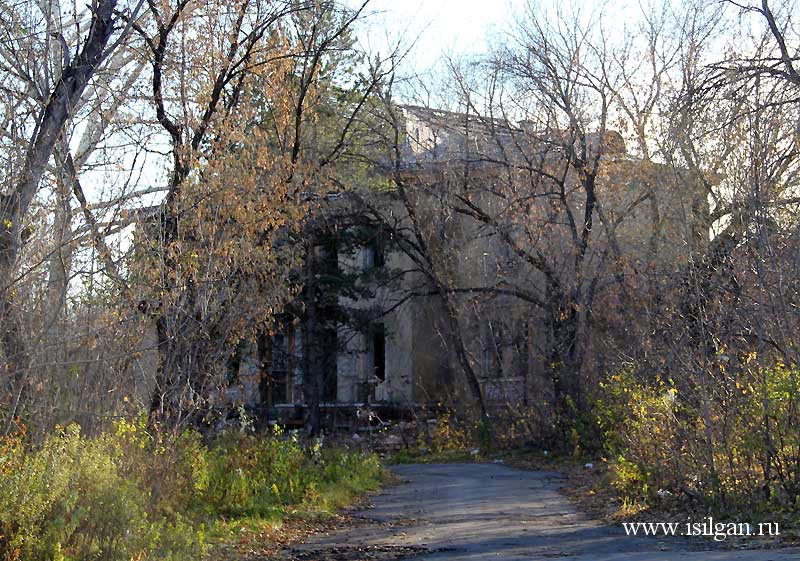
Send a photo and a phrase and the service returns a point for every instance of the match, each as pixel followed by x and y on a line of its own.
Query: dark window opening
pixel 276 383
pixel 328 264
pixel 233 365
pixel 330 352
pixel 379 352
pixel 277 389
pixel 374 255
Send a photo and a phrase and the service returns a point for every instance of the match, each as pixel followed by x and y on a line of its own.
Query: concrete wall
pixel 355 363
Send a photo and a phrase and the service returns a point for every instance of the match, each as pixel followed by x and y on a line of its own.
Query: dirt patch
pixel 288 542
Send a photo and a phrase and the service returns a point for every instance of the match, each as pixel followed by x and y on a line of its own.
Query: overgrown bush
pixel 129 494
pixel 345 475
pixel 77 498
pixel 638 424
pixel 252 476
pixel 730 444
pixel 446 434
pixel 255 476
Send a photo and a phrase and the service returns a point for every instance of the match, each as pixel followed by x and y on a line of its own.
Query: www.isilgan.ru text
pixel 706 527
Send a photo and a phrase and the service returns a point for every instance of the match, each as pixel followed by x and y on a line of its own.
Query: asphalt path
pixel 481 512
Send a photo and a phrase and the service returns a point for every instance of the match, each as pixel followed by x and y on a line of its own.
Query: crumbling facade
pixel 400 355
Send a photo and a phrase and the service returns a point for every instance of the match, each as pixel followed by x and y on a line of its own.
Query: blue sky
pixel 436 27
pixel 468 27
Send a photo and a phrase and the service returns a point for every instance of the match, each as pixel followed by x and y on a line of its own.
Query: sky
pixel 436 27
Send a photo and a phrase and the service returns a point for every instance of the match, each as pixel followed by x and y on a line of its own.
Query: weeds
pixel 738 455
pixel 127 494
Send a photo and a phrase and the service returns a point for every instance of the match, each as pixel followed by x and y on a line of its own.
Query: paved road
pixel 480 512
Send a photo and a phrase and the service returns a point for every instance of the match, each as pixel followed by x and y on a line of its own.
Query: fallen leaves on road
pixel 349 553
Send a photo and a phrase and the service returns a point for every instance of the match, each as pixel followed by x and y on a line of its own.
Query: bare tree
pixel 48 68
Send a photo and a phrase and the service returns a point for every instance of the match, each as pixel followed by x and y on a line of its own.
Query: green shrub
pixel 344 476
pixel 447 435
pixel 129 494
pixel 252 476
pixel 735 449
pixel 256 476
pixel 76 498
pixel 71 500
pixel 638 423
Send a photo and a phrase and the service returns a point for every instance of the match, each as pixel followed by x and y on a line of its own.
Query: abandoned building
pixel 400 357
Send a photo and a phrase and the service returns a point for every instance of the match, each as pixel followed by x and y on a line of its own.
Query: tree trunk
pixel 566 361
pixel 473 384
